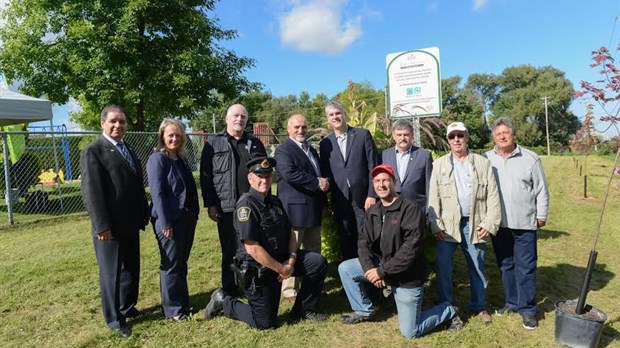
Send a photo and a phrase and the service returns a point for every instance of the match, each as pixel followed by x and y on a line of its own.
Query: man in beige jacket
pixel 464 209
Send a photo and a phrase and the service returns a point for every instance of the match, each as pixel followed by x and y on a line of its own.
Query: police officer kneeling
pixel 267 253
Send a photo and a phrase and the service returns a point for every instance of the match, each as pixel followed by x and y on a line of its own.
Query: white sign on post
pixel 414 83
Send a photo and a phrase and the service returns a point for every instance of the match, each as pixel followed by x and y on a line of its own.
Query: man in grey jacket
pixel 525 203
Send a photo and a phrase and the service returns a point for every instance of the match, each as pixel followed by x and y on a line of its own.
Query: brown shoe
pixel 291 299
pixel 486 317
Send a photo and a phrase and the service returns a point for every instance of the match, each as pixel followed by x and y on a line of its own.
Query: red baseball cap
pixel 382 168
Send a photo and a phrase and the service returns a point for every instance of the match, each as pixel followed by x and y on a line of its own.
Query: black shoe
pixel 133 312
pixel 504 311
pixel 455 324
pixel 123 331
pixel 215 306
pixel 530 322
pixel 314 316
pixel 308 315
pixel 354 318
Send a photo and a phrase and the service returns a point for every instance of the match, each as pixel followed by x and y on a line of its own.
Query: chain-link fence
pixel 41 170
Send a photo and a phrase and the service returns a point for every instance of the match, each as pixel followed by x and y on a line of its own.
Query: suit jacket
pixel 112 192
pixel 298 185
pixel 170 194
pixel 361 157
pixel 414 185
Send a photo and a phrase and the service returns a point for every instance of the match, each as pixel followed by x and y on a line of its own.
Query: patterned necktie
pixel 308 153
pixel 123 150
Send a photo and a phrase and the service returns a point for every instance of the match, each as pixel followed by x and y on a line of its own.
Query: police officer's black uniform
pixel 262 219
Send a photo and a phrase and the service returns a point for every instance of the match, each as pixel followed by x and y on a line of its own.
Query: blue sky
pixel 318 45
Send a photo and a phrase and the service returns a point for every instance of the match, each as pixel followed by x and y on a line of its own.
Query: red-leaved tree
pixel 605 91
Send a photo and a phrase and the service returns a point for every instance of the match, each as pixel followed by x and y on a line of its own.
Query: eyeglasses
pixel 458 135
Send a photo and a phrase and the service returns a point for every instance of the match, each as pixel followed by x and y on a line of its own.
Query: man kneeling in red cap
pixel 391 257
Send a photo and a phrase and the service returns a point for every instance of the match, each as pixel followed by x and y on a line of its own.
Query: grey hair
pixel 111 108
pixel 504 121
pixel 402 124
pixel 161 144
pixel 333 104
pixel 230 108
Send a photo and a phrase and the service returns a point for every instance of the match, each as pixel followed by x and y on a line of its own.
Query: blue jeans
pixel 356 286
pixel 412 320
pixel 516 253
pixel 474 255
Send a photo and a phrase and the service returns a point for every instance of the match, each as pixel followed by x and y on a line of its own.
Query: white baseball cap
pixel 456 126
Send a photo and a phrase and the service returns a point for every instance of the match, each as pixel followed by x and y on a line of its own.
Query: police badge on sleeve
pixel 243 214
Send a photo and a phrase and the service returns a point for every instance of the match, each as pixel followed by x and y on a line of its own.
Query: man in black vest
pixel 223 179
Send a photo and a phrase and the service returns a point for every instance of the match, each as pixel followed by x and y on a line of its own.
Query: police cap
pixel 261 165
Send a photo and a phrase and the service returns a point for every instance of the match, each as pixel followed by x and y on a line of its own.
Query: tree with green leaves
pixel 460 104
pixel 155 58
pixel 521 99
pixel 485 88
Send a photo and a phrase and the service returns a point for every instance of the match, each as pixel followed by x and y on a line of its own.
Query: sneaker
pixel 455 324
pixel 485 316
pixel 503 311
pixel 530 322
pixel 354 318
pixel 180 318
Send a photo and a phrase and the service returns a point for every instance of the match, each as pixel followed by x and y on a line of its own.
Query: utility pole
pixel 547 125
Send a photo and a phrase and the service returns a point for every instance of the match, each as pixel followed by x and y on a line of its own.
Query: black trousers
pixel 228 244
pixel 263 296
pixel 174 253
pixel 350 219
pixel 119 277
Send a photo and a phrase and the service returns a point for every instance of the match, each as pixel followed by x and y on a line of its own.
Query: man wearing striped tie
pixel 113 193
pixel 301 188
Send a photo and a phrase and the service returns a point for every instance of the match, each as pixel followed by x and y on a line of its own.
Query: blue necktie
pixel 123 150
pixel 308 153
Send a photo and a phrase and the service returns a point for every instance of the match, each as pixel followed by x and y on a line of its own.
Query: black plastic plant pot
pixel 578 330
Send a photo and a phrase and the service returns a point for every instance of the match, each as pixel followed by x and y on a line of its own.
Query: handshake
pixel 323 184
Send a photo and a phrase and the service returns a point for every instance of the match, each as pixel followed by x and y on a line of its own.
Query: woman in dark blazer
pixel 174 212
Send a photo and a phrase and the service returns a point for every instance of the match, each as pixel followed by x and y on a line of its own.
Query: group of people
pixel 271 244
pixel 114 196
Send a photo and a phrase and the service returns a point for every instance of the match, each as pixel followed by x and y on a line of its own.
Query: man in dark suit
pixel 113 193
pixel 301 190
pixel 347 156
pixel 412 165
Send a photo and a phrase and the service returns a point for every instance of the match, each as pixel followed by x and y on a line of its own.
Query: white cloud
pixel 479 4
pixel 317 26
pixel 73 106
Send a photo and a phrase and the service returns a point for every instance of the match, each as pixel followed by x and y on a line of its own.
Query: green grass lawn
pixel 49 295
